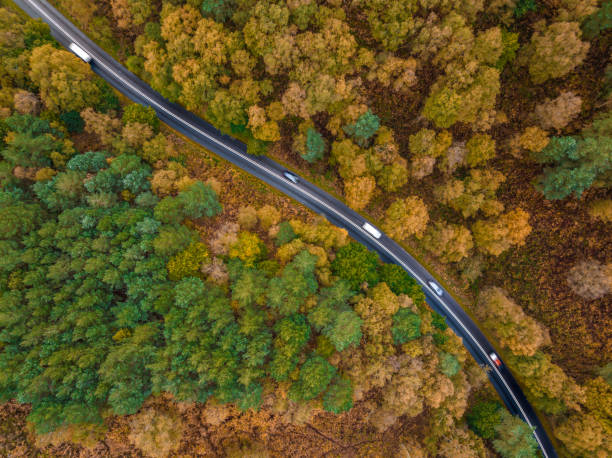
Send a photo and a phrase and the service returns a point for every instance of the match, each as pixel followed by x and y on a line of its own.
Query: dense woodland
pixel 133 286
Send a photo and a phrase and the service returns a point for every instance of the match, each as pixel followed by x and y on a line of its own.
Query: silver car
pixel 436 288
pixel 291 176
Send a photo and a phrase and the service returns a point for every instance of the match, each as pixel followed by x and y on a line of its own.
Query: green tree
pixel 449 365
pixel 574 164
pixel 292 335
pixel 288 292
pixel 364 128
pixel 514 438
pixel 598 22
pixel 73 121
pixel 406 326
pixel 285 234
pixel 356 264
pixel 401 282
pixel 315 376
pixel 219 10
pixel 484 417
pixel 34 142
pixel 135 112
pixel 315 146
pixel 339 396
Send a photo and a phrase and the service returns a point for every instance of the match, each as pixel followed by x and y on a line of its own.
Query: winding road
pixel 304 192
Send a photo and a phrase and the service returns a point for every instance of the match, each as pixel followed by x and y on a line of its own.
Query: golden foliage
pixel 406 217
pixel 557 113
pixel 64 81
pixel 450 242
pixel 248 248
pixel 514 330
pixel 496 235
pixel 187 263
pixel 601 210
pixel 104 125
pixel 156 432
pixel 268 216
pixel 359 191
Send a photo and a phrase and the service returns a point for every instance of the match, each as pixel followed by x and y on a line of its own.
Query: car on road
pixel 371 230
pixel 291 176
pixel 80 52
pixel 436 288
pixel 495 359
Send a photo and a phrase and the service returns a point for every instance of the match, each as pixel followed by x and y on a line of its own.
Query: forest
pixel 150 304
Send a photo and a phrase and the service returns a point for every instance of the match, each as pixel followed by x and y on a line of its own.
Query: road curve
pixel 304 192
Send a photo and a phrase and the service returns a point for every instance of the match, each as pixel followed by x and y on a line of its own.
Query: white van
pixel 80 52
pixel 371 230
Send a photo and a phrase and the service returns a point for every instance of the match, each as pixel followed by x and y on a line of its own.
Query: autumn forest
pixel 157 301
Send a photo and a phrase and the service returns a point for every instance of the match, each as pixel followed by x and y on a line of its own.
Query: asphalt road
pixel 304 192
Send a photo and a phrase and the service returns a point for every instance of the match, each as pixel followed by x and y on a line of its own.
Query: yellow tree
pixel 451 242
pixel 358 191
pixel 496 235
pixel 65 82
pixel 406 217
pixel 514 330
pixel 554 50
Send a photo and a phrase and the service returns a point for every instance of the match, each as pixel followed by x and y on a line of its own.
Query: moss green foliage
pixel 524 6
pixel 438 321
pixel 514 437
pixel 356 264
pixel 511 46
pixel 140 114
pixel 335 318
pixel 315 146
pixel 315 375
pixel 401 282
pixel 598 22
pixel 484 417
pixel 73 121
pixel 573 164
pixel 219 10
pixel 196 201
pixel 339 396
pixel 92 161
pixel 292 334
pixel 449 364
pixel 188 262
pixel 34 142
pixel 406 326
pixel 364 128
pixel 296 283
pixel 285 233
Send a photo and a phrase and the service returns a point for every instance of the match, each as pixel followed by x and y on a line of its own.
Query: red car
pixel 495 359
